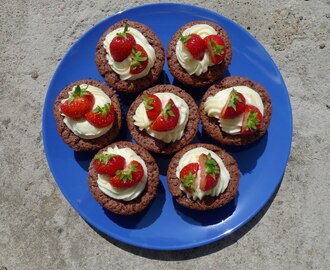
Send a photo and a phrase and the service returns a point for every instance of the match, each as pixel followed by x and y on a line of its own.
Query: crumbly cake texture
pixel 112 78
pixel 213 73
pixel 211 124
pixel 153 144
pixel 72 140
pixel 207 202
pixel 143 200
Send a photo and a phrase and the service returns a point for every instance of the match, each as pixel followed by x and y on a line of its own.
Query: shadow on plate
pixel 84 158
pixel 205 218
pixel 144 218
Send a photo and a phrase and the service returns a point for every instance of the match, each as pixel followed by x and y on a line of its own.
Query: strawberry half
pixel 209 172
pixel 252 120
pixel 101 117
pixel 121 46
pixel 188 175
pixel 235 105
pixel 139 60
pixel 129 176
pixel 195 45
pixel 108 164
pixel 168 119
pixel 78 104
pixel 216 48
pixel 153 106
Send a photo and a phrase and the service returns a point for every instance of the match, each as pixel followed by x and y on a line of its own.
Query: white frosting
pixel 192 156
pixel 142 121
pixel 127 194
pixel 122 68
pixel 81 127
pixel 214 105
pixel 186 60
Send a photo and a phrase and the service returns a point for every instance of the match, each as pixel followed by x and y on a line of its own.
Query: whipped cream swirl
pixel 122 68
pixel 142 121
pixel 127 194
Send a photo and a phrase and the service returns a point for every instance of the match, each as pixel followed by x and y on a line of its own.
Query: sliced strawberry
pixel 101 117
pixel 195 45
pixel 153 106
pixel 108 164
pixel 209 172
pixel 252 120
pixel 129 176
pixel 188 175
pixel 78 104
pixel 234 106
pixel 168 119
pixel 216 48
pixel 121 46
pixel 139 60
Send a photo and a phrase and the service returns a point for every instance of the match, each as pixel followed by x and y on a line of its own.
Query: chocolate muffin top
pixel 112 78
pixel 75 142
pixel 213 73
pixel 211 124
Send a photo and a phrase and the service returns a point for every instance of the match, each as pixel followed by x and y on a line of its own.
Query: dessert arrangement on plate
pixel 123 176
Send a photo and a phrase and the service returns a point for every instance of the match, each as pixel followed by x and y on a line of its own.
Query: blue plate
pixel 165 225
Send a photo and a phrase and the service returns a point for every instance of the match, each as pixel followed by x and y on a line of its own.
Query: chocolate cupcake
pixel 203 177
pixel 163 119
pixel 236 111
pixel 123 177
pixel 88 115
pixel 129 56
pixel 199 53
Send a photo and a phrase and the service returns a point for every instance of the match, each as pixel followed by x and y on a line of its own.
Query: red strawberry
pixel 195 45
pixel 216 47
pixel 168 119
pixel 153 106
pixel 188 175
pixel 234 106
pixel 210 172
pixel 121 46
pixel 252 120
pixel 139 60
pixel 108 164
pixel 79 103
pixel 101 117
pixel 128 177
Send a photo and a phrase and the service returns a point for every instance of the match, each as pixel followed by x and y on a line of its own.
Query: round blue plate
pixel 165 225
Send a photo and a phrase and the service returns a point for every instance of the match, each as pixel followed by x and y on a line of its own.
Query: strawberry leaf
pixel 137 58
pixel 216 48
pixel 188 181
pixel 78 92
pixel 103 110
pixel 127 174
pixel 147 101
pixel 123 34
pixel 252 121
pixel 211 167
pixel 167 111
pixel 233 99
pixel 184 39
pixel 104 158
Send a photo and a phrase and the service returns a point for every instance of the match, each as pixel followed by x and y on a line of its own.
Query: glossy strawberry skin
pixel 114 164
pixel 79 106
pixel 98 120
pixel 121 47
pixel 216 58
pixel 207 181
pixel 248 110
pixel 163 124
pixel 229 112
pixel 195 45
pixel 136 177
pixel 191 168
pixel 143 64
pixel 154 102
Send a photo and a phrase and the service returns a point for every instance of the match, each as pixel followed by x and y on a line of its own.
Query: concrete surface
pixel 40 230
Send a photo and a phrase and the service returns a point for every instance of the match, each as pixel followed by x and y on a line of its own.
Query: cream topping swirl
pixel 81 127
pixel 214 105
pixel 127 194
pixel 122 68
pixel 142 121
pixel 186 60
pixel 192 157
